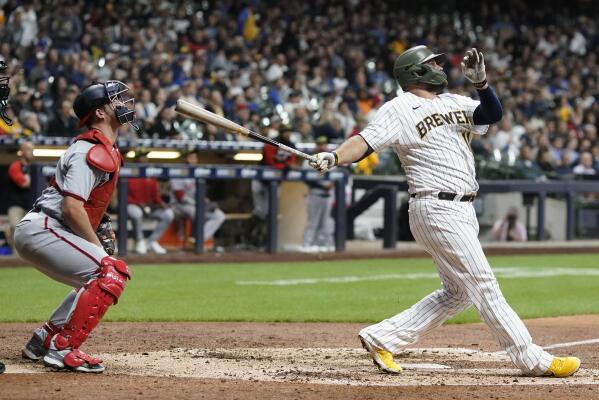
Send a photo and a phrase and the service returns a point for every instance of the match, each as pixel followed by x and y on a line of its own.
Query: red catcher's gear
pixel 52 330
pixel 77 358
pixel 105 157
pixel 92 303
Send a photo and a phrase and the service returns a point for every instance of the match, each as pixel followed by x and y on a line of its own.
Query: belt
pixel 451 196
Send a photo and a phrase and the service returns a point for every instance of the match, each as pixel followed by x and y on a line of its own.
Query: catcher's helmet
pixel 97 94
pixel 410 67
pixel 90 98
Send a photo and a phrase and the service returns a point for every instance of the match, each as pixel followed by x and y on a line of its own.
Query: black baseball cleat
pixel 2 368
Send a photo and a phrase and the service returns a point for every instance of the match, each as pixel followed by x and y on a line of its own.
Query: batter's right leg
pixel 410 325
pixel 449 231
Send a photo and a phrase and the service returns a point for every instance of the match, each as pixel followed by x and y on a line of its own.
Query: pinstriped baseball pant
pixel 448 231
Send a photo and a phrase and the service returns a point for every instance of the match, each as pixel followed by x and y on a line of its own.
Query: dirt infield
pixel 299 361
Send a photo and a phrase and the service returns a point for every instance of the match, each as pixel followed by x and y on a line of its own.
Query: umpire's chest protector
pixel 105 157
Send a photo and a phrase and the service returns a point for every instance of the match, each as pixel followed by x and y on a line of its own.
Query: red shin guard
pixel 93 302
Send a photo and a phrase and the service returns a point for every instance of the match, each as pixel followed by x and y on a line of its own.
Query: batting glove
pixel 473 68
pixel 324 162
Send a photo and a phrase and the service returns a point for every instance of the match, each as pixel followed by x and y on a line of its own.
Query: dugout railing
pixel 387 187
pixel 40 173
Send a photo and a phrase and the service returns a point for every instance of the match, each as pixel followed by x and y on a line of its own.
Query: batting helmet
pixel 97 94
pixel 410 67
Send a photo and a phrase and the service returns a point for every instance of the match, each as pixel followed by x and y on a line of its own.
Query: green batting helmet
pixel 410 67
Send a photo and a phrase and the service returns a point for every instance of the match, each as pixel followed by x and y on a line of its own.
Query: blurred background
pixel 310 74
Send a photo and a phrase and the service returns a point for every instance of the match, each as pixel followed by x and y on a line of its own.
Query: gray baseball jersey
pixel 74 176
pixel 432 140
pixel 42 239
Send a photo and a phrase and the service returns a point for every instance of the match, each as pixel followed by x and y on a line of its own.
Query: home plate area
pixel 341 366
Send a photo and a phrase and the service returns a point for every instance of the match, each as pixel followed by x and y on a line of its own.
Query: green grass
pixel 210 292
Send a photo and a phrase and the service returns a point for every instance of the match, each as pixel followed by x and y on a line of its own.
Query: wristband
pixel 336 159
pixel 480 85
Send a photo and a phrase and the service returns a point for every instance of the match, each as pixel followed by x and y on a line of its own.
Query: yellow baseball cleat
pixel 562 367
pixel 381 358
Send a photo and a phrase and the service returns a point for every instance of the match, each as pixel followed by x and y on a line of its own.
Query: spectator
pixel 318 234
pixel 64 123
pixel 37 107
pixel 332 130
pixel 367 165
pixel 144 200
pixel 546 163
pixel 20 199
pixel 15 129
pixel 31 125
pixel 525 164
pixel 509 228
pixel 164 127
pixel 145 109
pixel 565 168
pixel 184 205
pixel 20 100
pixel 585 166
pixel 196 51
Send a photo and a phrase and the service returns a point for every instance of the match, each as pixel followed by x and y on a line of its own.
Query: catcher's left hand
pixel 106 235
pixel 473 68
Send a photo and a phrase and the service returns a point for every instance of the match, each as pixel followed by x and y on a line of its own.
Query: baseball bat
pixel 195 112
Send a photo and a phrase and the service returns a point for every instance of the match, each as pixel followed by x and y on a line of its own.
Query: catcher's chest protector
pixel 107 158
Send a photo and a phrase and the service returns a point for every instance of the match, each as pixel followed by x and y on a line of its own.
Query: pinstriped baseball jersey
pixel 431 138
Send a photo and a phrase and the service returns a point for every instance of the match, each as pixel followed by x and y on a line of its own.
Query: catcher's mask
pixel 4 92
pixel 410 68
pixel 111 92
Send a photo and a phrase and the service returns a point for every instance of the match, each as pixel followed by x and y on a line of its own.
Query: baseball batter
pixel 430 132
pixel 59 234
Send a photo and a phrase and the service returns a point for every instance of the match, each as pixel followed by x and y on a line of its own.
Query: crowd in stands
pixel 321 67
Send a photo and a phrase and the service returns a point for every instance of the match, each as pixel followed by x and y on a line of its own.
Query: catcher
pixel 68 237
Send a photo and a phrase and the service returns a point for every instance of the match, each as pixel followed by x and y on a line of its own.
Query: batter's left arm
pixel 489 111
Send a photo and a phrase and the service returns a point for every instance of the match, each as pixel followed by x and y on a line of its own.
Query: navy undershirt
pixel 489 110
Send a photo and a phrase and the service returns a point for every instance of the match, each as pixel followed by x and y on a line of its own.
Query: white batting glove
pixel 473 68
pixel 324 162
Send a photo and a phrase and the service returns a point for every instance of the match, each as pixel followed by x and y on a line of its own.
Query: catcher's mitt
pixel 106 234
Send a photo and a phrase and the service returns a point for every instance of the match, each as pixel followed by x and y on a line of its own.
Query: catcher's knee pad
pixel 113 276
pixel 93 301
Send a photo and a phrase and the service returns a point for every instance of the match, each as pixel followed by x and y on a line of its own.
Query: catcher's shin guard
pixel 93 302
